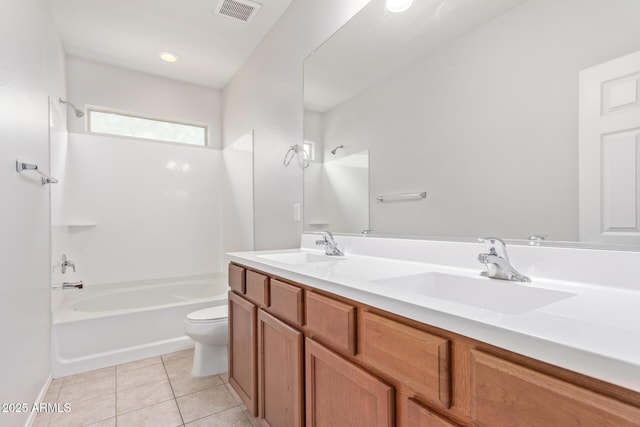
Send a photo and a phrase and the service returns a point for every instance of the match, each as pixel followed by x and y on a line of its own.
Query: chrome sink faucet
pixel 497 261
pixel 330 245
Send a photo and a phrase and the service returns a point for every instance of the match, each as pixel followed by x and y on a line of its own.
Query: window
pixel 111 123
pixel 308 148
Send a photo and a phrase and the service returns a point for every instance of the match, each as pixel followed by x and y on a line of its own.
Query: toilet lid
pixel 211 313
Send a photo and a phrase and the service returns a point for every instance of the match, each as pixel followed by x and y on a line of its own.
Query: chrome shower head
pixel 336 149
pixel 79 113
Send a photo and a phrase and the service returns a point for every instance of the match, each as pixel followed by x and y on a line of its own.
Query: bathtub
pixel 105 325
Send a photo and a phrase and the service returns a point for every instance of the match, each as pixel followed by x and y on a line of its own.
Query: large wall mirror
pixel 515 117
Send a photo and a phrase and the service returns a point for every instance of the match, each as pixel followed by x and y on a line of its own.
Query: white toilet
pixel 209 328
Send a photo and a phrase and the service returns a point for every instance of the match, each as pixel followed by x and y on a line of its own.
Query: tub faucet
pixel 330 245
pixel 66 263
pixel 497 261
pixel 69 285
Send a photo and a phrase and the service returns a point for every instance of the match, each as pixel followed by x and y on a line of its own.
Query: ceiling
pixel 130 33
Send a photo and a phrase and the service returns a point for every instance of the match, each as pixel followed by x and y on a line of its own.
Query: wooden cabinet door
pixel 339 393
pixel 508 394
pixel 280 373
pixel 243 373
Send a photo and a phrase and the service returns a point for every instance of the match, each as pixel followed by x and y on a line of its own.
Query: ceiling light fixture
pixel 397 6
pixel 168 57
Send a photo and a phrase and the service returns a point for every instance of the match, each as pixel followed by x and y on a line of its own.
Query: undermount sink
pixel 297 258
pixel 490 294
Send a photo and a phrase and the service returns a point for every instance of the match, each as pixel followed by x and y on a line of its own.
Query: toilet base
pixel 209 360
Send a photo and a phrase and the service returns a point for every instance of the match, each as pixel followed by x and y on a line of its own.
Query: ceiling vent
pixel 240 10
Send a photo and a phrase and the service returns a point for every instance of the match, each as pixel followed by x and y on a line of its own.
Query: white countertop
pixel 595 332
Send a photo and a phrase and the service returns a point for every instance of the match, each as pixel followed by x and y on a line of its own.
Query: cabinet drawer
pixel 505 393
pixel 257 288
pixel 421 416
pixel 331 321
pixel 286 301
pixel 237 278
pixel 418 359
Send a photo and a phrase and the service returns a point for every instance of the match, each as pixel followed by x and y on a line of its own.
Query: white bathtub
pixel 105 325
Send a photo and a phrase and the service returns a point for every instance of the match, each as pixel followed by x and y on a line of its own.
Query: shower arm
pixel 78 112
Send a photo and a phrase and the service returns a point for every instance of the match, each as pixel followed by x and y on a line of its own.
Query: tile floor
pixel 154 392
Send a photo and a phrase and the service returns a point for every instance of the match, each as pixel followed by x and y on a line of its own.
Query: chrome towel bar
pixel 400 197
pixel 292 152
pixel 44 178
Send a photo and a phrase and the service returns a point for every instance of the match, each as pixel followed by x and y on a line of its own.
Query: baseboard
pixel 39 399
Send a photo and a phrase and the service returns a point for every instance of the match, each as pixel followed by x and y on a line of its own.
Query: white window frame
pixel 91 109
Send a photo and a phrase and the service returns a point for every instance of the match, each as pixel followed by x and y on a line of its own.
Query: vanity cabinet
pixel 303 356
pixel 267 330
pixel 266 355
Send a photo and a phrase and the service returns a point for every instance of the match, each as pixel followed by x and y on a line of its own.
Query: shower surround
pixel 129 210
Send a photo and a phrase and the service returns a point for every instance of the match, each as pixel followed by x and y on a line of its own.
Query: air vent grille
pixel 240 10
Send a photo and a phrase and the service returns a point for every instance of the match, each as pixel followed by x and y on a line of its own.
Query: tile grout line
pixel 172 391
pixel 149 404
pixel 239 402
pixel 220 412
pixel 146 384
pixel 222 384
pixel 55 400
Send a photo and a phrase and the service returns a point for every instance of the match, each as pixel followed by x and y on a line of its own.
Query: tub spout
pixel 69 285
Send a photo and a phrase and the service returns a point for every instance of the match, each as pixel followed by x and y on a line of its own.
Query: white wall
pixel 488 124
pixel 237 205
pixel 266 95
pixel 32 69
pixel 336 194
pixel 96 84
pixel 137 210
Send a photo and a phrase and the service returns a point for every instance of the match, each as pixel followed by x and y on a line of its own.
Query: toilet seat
pixel 220 312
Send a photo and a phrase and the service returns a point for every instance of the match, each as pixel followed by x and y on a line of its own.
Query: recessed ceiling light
pixel 397 6
pixel 168 57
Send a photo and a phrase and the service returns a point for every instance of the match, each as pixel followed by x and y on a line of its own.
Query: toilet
pixel 209 328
